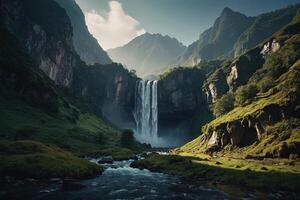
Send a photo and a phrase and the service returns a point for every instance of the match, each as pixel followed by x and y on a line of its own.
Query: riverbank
pixel 228 174
pixel 118 181
pixel 31 159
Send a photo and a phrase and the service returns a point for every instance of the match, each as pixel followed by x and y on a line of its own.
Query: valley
pixel 218 119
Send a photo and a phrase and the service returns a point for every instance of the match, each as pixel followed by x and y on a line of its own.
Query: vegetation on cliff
pixel 54 127
pixel 254 140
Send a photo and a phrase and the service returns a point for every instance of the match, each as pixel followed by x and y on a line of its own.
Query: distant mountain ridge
pixel 85 44
pixel 148 53
pixel 233 34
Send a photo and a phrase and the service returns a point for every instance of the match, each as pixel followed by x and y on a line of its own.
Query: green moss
pixel 35 160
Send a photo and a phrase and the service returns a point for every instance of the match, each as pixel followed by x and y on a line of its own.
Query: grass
pixel 54 142
pixel 268 175
pixel 20 121
pixel 30 159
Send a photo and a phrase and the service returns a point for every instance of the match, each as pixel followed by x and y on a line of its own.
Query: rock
pixel 71 184
pixel 180 99
pixel 135 157
pixel 232 77
pixel 270 47
pixel 218 163
pixel 213 91
pixel 54 55
pixel 85 44
pixel 111 91
pixel 106 160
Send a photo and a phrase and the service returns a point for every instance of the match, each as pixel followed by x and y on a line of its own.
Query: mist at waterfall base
pixel 146 116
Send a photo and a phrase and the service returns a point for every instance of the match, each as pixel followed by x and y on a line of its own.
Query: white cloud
pixel 114 29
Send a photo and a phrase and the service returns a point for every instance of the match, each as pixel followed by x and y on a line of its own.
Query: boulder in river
pixel 106 159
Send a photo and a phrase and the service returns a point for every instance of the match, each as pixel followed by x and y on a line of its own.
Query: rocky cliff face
pixel 180 99
pixel 85 44
pixel 110 90
pixel 234 74
pixel 215 86
pixel 244 131
pixel 21 79
pixel 264 26
pixel 218 41
pixel 267 125
pixel 45 31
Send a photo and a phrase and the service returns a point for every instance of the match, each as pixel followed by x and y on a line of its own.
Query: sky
pixel 116 22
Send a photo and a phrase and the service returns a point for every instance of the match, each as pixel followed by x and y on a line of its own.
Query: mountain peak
pixel 229 12
pixel 149 53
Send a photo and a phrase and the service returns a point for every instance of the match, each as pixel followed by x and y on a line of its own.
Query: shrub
pixel 127 138
pixel 265 84
pixel 245 94
pixel 224 104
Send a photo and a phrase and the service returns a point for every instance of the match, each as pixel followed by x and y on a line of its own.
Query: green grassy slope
pixel 26 158
pixel 255 144
pixel 34 109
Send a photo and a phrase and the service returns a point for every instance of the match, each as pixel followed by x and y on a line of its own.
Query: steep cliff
pixel 20 79
pixel 85 44
pixel 266 123
pixel 182 105
pixel 45 31
pixel 110 91
pixel 34 108
pixel 264 26
pixel 43 124
pixel 232 74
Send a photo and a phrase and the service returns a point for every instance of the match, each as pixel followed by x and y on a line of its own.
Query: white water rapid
pixel 145 112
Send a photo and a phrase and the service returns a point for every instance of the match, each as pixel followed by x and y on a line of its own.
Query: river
pixel 118 181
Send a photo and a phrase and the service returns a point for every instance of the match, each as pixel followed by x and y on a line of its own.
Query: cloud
pixel 115 28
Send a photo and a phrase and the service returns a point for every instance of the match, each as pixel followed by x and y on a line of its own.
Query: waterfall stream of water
pixel 145 112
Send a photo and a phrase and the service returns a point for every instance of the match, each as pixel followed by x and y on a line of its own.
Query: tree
pixel 224 104
pixel 245 94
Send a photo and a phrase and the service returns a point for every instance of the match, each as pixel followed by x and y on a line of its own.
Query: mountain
pixel 264 26
pixel 48 96
pixel 45 35
pixel 233 34
pixel 254 139
pixel 45 32
pixel 148 53
pixel 85 44
pixel 260 114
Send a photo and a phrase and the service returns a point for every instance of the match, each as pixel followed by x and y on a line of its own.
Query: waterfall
pixel 145 112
